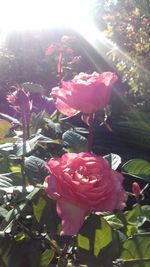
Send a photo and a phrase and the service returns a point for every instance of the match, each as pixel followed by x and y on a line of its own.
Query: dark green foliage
pixel 75 141
pixel 35 170
pixel 137 168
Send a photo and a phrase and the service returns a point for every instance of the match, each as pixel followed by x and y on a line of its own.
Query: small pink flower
pixel 86 93
pixel 51 50
pixel 59 48
pixel 81 183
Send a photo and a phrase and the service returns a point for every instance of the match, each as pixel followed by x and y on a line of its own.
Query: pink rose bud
pixel 86 93
pixel 20 101
pixel 136 190
pixel 50 51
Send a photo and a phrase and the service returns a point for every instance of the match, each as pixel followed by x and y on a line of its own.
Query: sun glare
pixel 36 14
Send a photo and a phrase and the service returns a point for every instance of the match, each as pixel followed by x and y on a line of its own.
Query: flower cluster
pixel 61 47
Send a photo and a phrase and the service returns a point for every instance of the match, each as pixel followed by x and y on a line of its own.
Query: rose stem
pixel 59 68
pixel 90 136
pixel 59 73
pixel 27 126
pixel 24 127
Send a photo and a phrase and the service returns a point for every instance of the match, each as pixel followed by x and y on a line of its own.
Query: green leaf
pixel 37 121
pixel 81 130
pixel 11 215
pixel 33 193
pixel 8 140
pixel 15 168
pixel 35 170
pixel 114 221
pixel 5 181
pixel 4 127
pixel 137 168
pixel 83 242
pixel 12 119
pixel 131 230
pixel 3 212
pixel 103 237
pixel 33 87
pixel 95 240
pixel 136 251
pixel 7 147
pixel 135 218
pixel 75 141
pixel 114 160
pixel 22 209
pixel 20 236
pixel 54 129
pixel 46 257
pixel 30 144
pixel 38 208
pixel 146 211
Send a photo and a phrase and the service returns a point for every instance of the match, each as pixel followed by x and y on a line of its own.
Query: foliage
pixel 126 25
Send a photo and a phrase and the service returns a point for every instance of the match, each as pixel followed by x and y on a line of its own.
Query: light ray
pixel 38 14
pixel 105 46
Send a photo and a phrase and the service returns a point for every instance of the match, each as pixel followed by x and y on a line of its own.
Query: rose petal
pixel 64 108
pixel 72 217
pixel 50 187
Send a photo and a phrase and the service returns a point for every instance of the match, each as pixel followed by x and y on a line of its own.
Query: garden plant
pixel 63 203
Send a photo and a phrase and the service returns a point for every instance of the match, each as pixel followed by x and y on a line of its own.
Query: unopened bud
pixel 136 190
pixel 20 101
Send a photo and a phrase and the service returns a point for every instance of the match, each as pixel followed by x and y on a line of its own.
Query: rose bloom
pixel 86 93
pixel 81 183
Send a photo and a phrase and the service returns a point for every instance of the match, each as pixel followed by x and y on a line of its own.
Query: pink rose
pixel 87 93
pixel 80 183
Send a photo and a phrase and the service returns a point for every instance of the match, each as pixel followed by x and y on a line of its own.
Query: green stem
pixel 59 67
pixel 91 129
pixel 24 127
pixel 27 126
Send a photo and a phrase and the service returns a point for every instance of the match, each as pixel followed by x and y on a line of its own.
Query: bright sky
pixel 37 14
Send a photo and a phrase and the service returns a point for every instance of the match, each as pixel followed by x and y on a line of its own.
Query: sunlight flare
pixel 31 15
